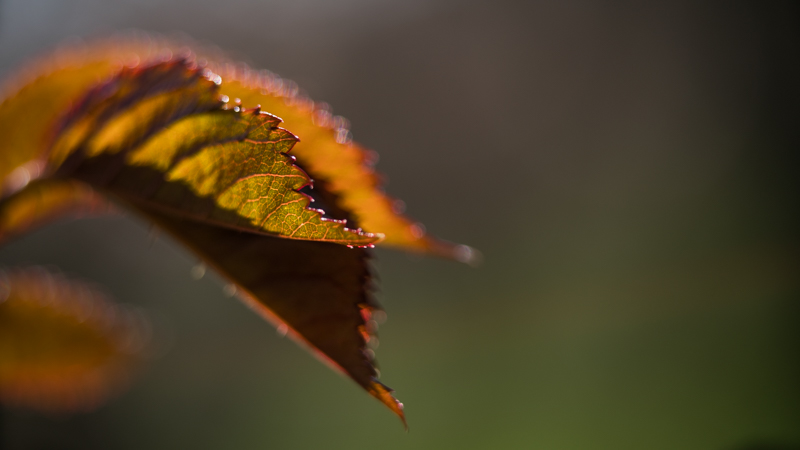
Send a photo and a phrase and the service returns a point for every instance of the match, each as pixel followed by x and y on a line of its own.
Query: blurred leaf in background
pixel 64 347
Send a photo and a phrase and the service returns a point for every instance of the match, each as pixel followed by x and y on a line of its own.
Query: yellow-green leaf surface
pixel 230 169
pixel 63 346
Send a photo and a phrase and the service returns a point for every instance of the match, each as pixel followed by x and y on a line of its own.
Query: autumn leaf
pixel 144 124
pixel 64 347
pixel 229 167
pixel 342 170
pixel 158 139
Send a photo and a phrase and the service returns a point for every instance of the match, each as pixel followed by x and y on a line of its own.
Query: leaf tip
pixel 384 394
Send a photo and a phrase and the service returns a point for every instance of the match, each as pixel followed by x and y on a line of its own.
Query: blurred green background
pixel 629 170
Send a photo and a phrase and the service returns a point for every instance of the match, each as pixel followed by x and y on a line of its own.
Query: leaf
pixel 342 170
pixel 154 136
pixel 154 139
pixel 223 167
pixel 321 292
pixel 95 140
pixel 63 346
pixel 46 200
